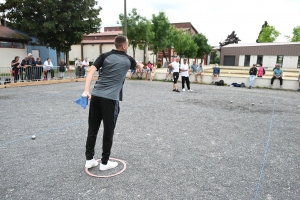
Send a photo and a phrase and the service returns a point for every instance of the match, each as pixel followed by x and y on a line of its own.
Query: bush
pixel 158 65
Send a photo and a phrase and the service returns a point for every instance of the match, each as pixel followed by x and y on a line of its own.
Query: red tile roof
pixel 7 34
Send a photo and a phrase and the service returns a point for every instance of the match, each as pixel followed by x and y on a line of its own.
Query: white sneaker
pixel 190 90
pixel 109 165
pixel 183 90
pixel 91 163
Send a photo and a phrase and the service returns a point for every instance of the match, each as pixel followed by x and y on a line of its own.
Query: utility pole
pixel 125 19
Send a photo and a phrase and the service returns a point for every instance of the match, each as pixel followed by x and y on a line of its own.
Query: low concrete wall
pixel 288 84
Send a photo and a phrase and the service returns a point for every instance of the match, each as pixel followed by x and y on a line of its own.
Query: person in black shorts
pixel 175 66
pixel 104 99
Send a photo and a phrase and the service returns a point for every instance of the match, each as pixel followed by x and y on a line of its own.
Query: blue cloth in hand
pixel 82 101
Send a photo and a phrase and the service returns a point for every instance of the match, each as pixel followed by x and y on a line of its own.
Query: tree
pixel 296 35
pixel 263 26
pixel 161 29
pixel 268 34
pixel 183 43
pixel 57 24
pixel 139 32
pixel 202 43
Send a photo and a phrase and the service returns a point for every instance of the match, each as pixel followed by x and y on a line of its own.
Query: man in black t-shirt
pixel 105 99
pixel 15 64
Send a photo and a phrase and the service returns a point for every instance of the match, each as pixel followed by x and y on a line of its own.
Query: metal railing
pixel 7 75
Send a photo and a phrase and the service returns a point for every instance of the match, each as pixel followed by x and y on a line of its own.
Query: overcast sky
pixel 215 18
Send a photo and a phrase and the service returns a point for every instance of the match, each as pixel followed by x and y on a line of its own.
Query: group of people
pixel 147 69
pixel 32 70
pixel 81 67
pixel 259 71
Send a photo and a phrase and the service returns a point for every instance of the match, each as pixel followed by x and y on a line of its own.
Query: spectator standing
pixel 15 64
pixel 39 68
pixel 85 65
pixel 277 74
pixel 24 66
pixel 253 73
pixel 62 69
pixel 78 68
pixel 184 68
pixel 30 70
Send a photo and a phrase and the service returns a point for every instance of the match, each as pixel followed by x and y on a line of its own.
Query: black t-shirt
pixel 115 65
pixel 15 65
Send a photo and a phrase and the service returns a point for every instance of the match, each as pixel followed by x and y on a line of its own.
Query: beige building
pixel 94 44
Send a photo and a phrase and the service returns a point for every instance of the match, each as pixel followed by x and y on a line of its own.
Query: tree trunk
pixel 156 57
pixel 67 57
pixel 58 56
pixel 164 53
pixel 133 50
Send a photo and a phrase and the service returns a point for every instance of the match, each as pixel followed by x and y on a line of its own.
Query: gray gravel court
pixel 183 145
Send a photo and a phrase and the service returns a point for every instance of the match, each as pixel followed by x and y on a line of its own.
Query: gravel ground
pixel 187 145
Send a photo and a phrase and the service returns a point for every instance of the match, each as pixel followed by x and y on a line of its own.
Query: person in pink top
pixel 261 71
pixel 149 70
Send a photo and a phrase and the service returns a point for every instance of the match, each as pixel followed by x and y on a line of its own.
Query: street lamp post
pixel 125 19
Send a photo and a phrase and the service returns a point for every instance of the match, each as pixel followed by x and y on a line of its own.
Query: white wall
pixel 253 60
pixel 107 47
pixel 139 54
pixel 75 52
pixel 8 54
pixel 269 61
pixel 152 57
pixel 241 60
pixel 91 52
pixel 290 62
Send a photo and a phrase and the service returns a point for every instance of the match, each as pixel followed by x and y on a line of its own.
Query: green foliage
pixel 158 65
pixel 263 26
pixel 268 34
pixel 183 44
pixel 202 43
pixel 139 31
pixel 161 29
pixel 296 35
pixel 216 60
pixel 57 24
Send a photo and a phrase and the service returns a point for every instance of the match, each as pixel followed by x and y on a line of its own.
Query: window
pixel 279 60
pixel 259 60
pixel 298 66
pixel 247 61
pixel 18 45
pixel 5 44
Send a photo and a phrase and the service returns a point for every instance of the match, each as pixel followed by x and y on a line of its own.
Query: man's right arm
pixel 88 81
